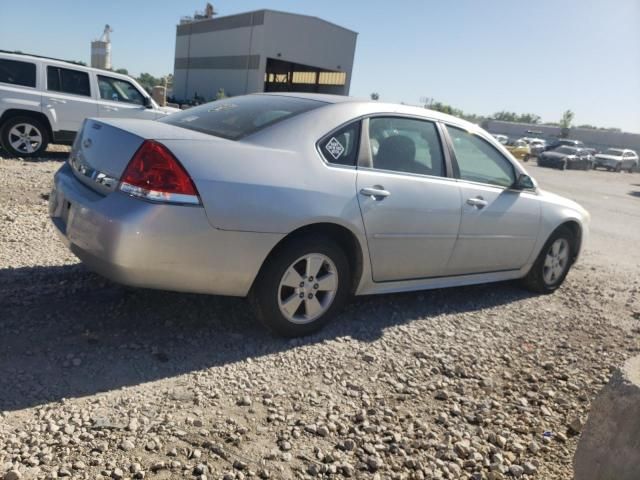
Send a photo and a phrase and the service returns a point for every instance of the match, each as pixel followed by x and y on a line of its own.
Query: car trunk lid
pixel 103 148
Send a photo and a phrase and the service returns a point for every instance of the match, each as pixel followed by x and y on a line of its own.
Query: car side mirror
pixel 524 182
pixel 147 102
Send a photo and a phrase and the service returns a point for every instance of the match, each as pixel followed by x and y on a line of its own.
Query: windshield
pixel 567 150
pixel 235 118
pixel 613 151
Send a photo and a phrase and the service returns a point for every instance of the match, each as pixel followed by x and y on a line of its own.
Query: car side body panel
pixel 254 193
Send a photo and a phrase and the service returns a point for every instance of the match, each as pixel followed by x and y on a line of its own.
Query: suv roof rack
pixel 17 52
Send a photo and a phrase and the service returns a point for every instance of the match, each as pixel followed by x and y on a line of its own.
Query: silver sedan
pixel 299 201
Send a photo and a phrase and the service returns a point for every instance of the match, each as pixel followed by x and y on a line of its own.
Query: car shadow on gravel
pixel 66 332
pixel 46 156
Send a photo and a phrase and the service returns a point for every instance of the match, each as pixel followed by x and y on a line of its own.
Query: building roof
pixel 233 21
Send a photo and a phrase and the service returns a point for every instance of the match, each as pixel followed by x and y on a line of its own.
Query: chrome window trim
pixel 409 174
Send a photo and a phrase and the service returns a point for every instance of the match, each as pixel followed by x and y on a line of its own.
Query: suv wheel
pixel 553 263
pixel 302 286
pixel 24 136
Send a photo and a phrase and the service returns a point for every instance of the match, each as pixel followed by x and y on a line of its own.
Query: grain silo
pixel 101 50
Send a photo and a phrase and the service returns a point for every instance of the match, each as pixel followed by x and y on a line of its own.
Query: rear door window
pixel 15 72
pixel 406 145
pixel 66 80
pixel 341 147
pixel 235 118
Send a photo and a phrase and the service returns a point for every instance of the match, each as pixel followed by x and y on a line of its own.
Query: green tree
pixel 529 118
pixel 565 122
pixel 123 71
pixel 148 81
pixel 375 96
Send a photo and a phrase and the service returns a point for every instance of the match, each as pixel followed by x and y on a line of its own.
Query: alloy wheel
pixel 556 261
pixel 25 138
pixel 307 288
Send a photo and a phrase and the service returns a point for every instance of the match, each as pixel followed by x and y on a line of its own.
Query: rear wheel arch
pixel 16 112
pixel 340 234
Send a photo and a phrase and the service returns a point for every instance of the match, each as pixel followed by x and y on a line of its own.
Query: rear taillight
pixel 155 174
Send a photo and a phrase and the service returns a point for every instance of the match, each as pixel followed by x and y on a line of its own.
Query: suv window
pixel 68 81
pixel 341 147
pixel 118 90
pixel 18 73
pixel 478 161
pixel 406 145
pixel 235 118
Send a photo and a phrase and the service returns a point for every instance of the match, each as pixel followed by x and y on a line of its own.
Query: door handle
pixel 376 192
pixel 477 202
pixel 111 109
pixel 57 100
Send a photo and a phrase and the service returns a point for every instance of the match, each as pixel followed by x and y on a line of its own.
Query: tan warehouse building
pixel 262 51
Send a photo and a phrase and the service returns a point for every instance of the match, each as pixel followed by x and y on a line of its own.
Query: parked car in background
pixel 283 198
pixel 44 101
pixel 536 145
pixel 564 142
pixel 503 139
pixel 520 149
pixel 617 159
pixel 566 158
pixel 592 151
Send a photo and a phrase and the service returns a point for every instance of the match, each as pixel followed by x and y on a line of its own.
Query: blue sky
pixel 542 56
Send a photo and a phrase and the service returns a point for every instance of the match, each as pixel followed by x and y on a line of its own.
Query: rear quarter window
pixel 15 72
pixel 235 118
pixel 341 147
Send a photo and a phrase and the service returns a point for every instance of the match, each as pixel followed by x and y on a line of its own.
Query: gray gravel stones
pixel 472 383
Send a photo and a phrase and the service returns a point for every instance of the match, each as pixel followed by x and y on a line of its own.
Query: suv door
pixel 68 99
pixel 410 207
pixel 499 226
pixel 120 98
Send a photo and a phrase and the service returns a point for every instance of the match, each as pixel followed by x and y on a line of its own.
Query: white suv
pixel 617 159
pixel 45 101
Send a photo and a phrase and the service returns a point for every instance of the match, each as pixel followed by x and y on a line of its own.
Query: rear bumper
pixel 143 244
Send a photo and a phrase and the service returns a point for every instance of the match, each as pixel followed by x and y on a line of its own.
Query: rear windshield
pixel 234 118
pixel 568 150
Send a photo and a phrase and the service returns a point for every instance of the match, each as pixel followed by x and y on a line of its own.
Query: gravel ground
pixel 489 382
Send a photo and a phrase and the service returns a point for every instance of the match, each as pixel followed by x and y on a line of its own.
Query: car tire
pixel 526 158
pixel 287 297
pixel 618 168
pixel 33 145
pixel 546 275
